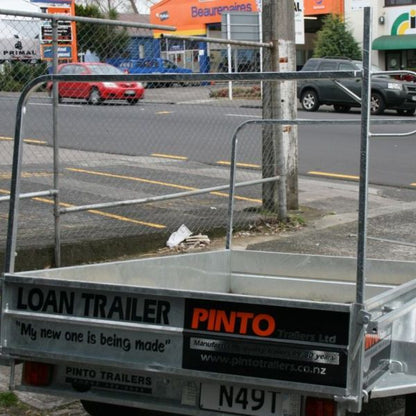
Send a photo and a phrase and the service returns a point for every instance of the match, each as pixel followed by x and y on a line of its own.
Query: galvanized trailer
pixel 229 331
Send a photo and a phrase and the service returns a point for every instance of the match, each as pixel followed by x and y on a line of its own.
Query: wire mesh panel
pixel 161 146
pixel 128 140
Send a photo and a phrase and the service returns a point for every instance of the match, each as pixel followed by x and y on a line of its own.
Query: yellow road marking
pixel 26 175
pixel 334 175
pixel 104 214
pixel 164 112
pixel 97 212
pixel 413 184
pixel 122 218
pixel 30 141
pixel 241 165
pixel 240 198
pixel 34 141
pixel 171 185
pixel 169 156
pixel 131 178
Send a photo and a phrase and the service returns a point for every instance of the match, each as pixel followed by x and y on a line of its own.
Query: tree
pixel 106 41
pixel 335 39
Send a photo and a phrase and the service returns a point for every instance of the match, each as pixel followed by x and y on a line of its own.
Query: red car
pixel 97 92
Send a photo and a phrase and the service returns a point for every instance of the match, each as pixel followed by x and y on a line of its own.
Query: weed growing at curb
pixel 8 399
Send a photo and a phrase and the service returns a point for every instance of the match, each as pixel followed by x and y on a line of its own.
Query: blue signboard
pixel 64 52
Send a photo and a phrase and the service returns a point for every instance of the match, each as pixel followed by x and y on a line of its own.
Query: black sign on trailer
pixel 273 342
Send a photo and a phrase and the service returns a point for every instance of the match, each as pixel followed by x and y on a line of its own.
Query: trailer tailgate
pixel 201 335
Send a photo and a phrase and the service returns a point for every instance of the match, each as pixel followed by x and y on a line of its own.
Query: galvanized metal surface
pixel 231 276
pixel 177 281
pixel 237 272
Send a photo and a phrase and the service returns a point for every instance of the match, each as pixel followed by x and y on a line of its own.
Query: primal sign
pixel 20 40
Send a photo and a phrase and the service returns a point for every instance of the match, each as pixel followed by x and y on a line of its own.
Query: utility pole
pixel 279 147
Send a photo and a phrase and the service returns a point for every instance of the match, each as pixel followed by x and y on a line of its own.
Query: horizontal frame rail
pixel 29 195
pixel 164 197
pixel 219 40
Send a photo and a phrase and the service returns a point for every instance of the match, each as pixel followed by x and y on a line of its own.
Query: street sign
pixel 299 23
pixel 64 32
pixel 64 52
pixel 243 26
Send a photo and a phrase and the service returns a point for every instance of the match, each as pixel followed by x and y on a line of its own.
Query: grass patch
pixel 297 219
pixel 267 222
pixel 8 399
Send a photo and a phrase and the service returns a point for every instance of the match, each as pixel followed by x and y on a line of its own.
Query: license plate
pixel 245 400
pixel 129 92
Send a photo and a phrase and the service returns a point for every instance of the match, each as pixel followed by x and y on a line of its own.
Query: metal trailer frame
pixel 368 315
pixel 267 76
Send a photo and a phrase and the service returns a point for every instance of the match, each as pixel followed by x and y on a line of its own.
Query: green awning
pixel 389 43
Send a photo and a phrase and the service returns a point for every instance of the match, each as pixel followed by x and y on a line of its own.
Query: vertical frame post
pixel 359 317
pixel 364 159
pixel 55 100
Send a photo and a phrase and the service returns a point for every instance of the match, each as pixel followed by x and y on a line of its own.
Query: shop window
pixel 411 59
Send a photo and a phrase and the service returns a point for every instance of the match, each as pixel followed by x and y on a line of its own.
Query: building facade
pixel 394 32
pixel 203 18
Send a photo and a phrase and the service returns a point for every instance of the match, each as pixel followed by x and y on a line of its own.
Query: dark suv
pixel 386 92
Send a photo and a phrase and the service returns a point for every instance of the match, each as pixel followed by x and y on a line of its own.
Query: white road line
pixel 196 101
pixel 249 116
pixel 60 104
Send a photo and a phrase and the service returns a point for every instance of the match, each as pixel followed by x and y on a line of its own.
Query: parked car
pixel 386 92
pixel 150 66
pixel 97 92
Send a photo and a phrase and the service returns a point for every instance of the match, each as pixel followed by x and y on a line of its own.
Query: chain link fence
pixel 125 140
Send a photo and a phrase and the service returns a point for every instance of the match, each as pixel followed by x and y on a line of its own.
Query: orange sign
pixel 314 7
pixel 67 39
pixel 190 17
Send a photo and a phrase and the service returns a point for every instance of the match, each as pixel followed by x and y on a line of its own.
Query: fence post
pixel 55 100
